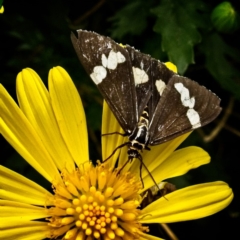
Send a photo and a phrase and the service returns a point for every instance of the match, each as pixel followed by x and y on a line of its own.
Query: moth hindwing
pixel 151 103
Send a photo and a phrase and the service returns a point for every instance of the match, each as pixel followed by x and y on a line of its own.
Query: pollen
pixel 96 203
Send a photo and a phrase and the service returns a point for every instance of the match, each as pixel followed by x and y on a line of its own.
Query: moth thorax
pixel 137 145
pixel 139 135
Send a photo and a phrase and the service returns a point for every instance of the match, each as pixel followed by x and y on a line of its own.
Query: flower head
pixel 48 129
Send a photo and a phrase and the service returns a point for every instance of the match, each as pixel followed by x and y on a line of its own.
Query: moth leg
pixel 122 134
pixel 147 148
pixel 129 159
pixel 120 146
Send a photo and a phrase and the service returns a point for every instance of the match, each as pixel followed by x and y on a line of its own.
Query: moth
pixel 151 103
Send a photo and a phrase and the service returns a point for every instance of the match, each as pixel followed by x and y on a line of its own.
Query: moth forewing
pixel 109 66
pixel 184 106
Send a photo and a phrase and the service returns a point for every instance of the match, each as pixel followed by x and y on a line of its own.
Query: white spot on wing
pixel 192 114
pixel 140 76
pixel 185 96
pixel 194 118
pixel 160 85
pixel 99 73
pixel 112 60
pixel 104 60
pixel 120 57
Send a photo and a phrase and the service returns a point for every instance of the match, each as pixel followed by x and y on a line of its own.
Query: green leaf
pixel 177 22
pixel 1 2
pixel 220 62
pixel 132 19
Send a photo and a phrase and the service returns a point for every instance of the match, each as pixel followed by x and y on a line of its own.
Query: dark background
pixel 36 34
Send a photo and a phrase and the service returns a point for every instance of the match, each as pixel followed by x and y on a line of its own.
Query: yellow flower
pixel 48 129
pixel 2 9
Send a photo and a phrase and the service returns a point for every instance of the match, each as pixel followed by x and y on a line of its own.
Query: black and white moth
pixel 151 103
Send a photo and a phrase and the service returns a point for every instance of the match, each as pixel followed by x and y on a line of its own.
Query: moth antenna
pixel 142 164
pixel 141 170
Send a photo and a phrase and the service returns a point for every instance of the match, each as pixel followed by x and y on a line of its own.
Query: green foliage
pixel 225 18
pixel 219 62
pixel 178 23
pixel 132 19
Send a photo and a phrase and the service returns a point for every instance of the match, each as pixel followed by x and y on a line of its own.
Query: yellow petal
pixel 69 112
pixel 162 151
pixel 177 164
pixel 18 212
pixel 145 236
pixel 171 66
pixel 18 131
pixel 110 142
pixel 35 102
pixel 189 203
pixel 27 230
pixel 16 187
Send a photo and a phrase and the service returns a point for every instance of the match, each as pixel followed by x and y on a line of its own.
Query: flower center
pixel 96 202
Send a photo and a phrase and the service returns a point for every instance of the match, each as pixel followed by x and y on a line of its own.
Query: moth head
pixel 133 153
